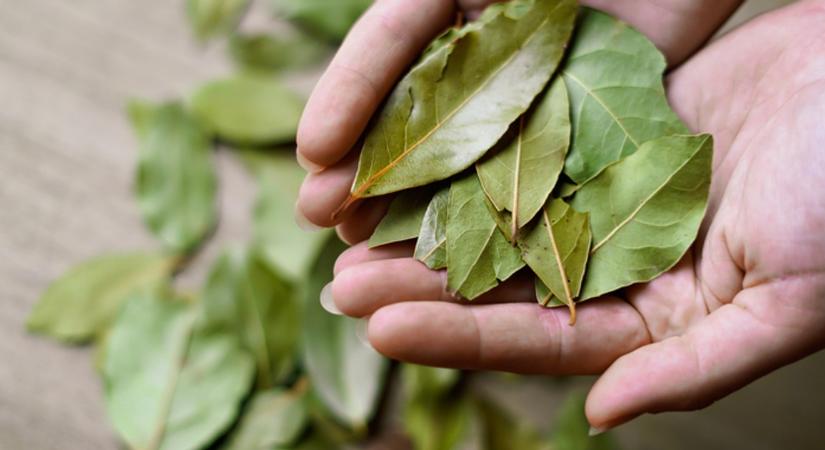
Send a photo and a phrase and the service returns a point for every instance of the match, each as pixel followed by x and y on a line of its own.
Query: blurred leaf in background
pixel 81 304
pixel 210 18
pixel 331 19
pixel 572 429
pixel 171 383
pixel 271 52
pixel 273 419
pixel 434 417
pixel 176 181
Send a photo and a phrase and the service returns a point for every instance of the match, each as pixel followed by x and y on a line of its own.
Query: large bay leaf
pixel 557 249
pixel 404 217
pixel 345 373
pixel 273 419
pixel 81 304
pixel 285 247
pixel 330 19
pixel 645 211
pixel 478 255
pixel 171 384
pixel 614 77
pixel 434 419
pixel 248 109
pixel 213 17
pixel 457 102
pixel 519 175
pixel 273 52
pixel 243 295
pixel 176 183
pixel 431 246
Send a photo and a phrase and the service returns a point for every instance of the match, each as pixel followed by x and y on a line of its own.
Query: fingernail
pixel 327 301
pixel 596 431
pixel 361 330
pixel 304 223
pixel 308 165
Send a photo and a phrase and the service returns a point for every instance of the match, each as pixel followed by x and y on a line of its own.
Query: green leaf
pixel 330 19
pixel 140 114
pixel 502 431
pixel 248 109
pixel 274 418
pixel 403 219
pixel 285 247
pixel 213 17
pixel 273 52
pixel 176 183
pixel 434 419
pixel 571 431
pixel 172 385
pixel 431 247
pixel 613 74
pixel 346 374
pixel 81 304
pixel 459 100
pixel 244 296
pixel 645 211
pixel 557 249
pixel 519 175
pixel 478 255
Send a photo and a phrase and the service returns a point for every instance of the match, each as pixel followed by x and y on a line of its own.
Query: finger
pixel 518 337
pixel 361 224
pixel 323 192
pixel 378 48
pixel 735 345
pixel 361 253
pixel 360 290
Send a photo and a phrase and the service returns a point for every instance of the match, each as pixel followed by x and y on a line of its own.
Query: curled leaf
pixel 431 246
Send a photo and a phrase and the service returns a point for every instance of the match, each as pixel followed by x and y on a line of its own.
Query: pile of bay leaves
pixel 250 360
pixel 539 136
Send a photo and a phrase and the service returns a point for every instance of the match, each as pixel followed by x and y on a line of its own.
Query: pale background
pixel 66 161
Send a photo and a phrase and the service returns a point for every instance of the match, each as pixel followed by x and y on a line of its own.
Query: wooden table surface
pixel 66 161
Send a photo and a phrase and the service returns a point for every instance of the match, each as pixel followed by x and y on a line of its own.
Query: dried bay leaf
pixel 81 304
pixel 214 17
pixel 273 419
pixel 431 246
pixel 172 384
pixel 478 255
pixel 248 108
pixel 645 211
pixel 346 374
pixel 404 217
pixel 244 296
pixel 519 175
pixel 176 181
pixel 556 249
pixel 613 75
pixel 457 102
pixel 330 19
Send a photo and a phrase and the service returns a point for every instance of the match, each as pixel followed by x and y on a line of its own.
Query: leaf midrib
pixel 591 93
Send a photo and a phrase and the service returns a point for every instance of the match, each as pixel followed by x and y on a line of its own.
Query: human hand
pixel 747 299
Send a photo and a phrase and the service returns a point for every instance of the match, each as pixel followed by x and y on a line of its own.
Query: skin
pixel 748 298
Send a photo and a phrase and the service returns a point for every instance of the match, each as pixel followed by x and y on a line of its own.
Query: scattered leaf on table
pixel 80 305
pixel 248 109
pixel 273 419
pixel 140 114
pixel 520 172
pixel 331 19
pixel 213 17
pixel 170 384
pixel 613 74
pixel 176 183
pixel 571 430
pixel 285 247
pixel 346 374
pixel 457 102
pixel 478 255
pixel 404 217
pixel 243 295
pixel 431 246
pixel 433 418
pixel 557 248
pixel 645 211
pixel 273 52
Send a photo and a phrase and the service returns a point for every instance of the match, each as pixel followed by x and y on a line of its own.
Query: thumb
pixel 732 347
